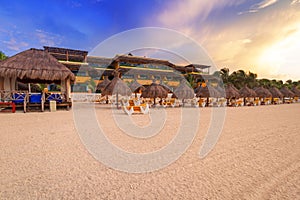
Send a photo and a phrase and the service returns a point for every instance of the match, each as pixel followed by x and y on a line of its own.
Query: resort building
pixel 90 70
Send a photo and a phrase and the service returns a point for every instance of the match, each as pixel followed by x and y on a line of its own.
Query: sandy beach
pixel 257 157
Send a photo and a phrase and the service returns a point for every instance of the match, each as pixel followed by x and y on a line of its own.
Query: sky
pixel 261 36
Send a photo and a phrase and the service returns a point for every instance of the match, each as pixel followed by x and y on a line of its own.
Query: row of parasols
pixel 184 91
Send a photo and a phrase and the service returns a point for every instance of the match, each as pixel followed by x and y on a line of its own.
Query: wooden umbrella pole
pixel 117 99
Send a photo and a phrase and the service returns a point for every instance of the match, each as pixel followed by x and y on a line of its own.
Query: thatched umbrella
pixel 183 91
pixel 103 84
pixel 35 66
pixel 231 91
pixel 221 90
pixel 286 93
pixel 136 87
pixel 246 92
pixel 262 92
pixel 117 87
pixel 275 92
pixel 168 88
pixel 154 90
pixel 296 91
pixel 207 92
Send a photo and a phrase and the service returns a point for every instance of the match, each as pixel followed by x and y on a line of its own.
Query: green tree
pixel 251 79
pixel 191 80
pixel 3 56
pixel 265 82
pixel 225 75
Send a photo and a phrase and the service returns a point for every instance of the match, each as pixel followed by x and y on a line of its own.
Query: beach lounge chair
pixel 142 109
pixel 239 103
pixel 202 103
pixel 256 102
pixel 169 103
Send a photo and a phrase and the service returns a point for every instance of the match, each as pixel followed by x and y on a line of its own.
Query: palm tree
pixel 238 78
pixel 191 80
pixel 224 73
pixel 251 80
pixel 264 82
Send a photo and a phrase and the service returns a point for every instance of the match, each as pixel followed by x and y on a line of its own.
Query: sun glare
pixel 282 58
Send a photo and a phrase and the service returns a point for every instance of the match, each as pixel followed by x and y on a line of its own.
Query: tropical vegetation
pixel 240 78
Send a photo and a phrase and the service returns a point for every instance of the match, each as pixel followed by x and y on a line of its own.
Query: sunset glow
pixel 261 36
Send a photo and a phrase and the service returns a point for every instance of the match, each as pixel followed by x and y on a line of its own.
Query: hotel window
pixel 143 77
pixel 169 78
pixel 128 76
pixel 157 77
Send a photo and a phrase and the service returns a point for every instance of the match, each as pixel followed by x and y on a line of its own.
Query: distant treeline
pixel 240 78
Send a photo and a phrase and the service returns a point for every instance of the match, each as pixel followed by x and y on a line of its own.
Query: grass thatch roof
pixel 275 92
pixel 117 86
pixel 262 92
pixel 103 84
pixel 34 65
pixel 207 91
pixel 247 92
pixel 184 91
pixel 286 92
pixel 296 91
pixel 136 86
pixel 155 90
pixel 231 91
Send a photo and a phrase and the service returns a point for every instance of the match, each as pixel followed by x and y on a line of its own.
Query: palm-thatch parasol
pixel 168 88
pixel 296 91
pixel 154 90
pixel 231 91
pixel 136 87
pixel 275 92
pixel 246 92
pixel 207 92
pixel 286 92
pixel 183 91
pixel 262 92
pixel 117 87
pixel 221 90
pixel 35 66
pixel 103 84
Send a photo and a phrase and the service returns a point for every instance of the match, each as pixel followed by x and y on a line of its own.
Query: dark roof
pixel 191 68
pixel 67 54
pixel 141 60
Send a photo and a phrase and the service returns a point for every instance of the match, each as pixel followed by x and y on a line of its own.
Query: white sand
pixel 256 157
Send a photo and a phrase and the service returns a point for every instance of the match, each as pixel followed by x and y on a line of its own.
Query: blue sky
pixel 257 35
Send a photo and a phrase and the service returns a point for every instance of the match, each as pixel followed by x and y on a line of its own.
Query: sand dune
pixel 257 157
